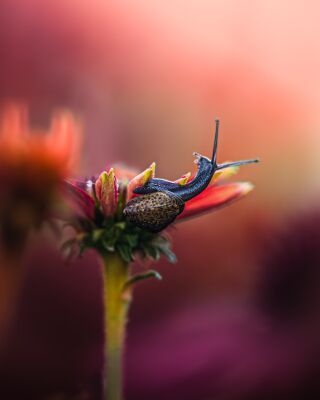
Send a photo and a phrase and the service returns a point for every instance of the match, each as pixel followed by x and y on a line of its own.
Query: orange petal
pixel 224 174
pixel 215 197
pixel 65 138
pixel 141 180
pixel 184 179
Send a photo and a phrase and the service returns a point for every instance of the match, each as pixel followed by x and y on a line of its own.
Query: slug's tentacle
pixel 215 143
pixel 236 163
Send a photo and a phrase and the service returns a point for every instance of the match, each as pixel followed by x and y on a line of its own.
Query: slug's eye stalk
pixel 236 163
pixel 228 164
pixel 215 144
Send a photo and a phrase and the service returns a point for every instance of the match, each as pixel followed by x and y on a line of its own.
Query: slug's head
pixel 201 160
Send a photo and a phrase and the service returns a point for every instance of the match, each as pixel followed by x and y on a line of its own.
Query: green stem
pixel 116 274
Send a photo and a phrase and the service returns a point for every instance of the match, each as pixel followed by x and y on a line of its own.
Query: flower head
pixel 33 166
pixel 126 213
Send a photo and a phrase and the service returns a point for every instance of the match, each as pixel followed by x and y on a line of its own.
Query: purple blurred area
pixel 148 79
pixel 265 347
pixel 54 346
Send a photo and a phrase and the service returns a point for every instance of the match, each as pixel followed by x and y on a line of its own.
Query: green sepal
pixel 112 236
pixel 140 277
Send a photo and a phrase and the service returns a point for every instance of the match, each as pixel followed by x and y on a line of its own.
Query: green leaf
pixel 108 247
pixel 164 246
pixel 124 252
pixel 97 234
pixel 139 277
pixel 131 238
pixel 121 225
pixel 111 235
pixel 153 252
pixel 170 255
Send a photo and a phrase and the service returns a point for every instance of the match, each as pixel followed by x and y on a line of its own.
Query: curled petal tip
pixel 141 179
pixel 246 187
pixel 184 179
pixel 153 169
pixel 224 174
pixel 110 174
pixel 149 173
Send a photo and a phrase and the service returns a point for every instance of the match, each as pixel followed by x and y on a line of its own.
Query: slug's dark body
pixel 185 192
pixel 161 201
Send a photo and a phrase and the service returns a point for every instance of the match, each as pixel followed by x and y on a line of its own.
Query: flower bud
pixel 107 192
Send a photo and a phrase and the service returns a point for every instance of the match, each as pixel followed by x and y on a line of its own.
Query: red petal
pixel 214 197
pixel 80 200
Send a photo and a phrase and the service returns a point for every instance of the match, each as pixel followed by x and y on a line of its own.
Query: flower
pixel 33 165
pixel 101 204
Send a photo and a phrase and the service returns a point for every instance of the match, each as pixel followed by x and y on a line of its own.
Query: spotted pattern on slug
pixel 154 211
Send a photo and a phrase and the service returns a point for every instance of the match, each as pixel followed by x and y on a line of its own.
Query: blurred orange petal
pixel 33 165
pixel 64 138
pixel 14 119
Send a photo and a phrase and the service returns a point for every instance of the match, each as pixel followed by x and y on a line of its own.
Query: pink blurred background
pixel 148 79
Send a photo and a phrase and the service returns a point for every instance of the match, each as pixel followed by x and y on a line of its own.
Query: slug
pixel 161 201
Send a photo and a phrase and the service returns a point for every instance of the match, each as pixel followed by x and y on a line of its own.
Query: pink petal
pixel 214 197
pixel 107 192
pixel 140 180
pixel 79 200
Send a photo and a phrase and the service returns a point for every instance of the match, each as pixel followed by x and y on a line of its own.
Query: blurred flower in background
pixel 33 166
